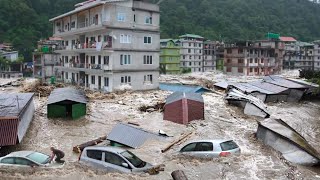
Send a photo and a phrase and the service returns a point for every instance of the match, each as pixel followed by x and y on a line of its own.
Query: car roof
pixel 214 141
pixel 19 154
pixel 106 148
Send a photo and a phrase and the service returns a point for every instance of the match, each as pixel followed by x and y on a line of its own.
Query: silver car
pixel 210 148
pixel 113 159
pixel 26 159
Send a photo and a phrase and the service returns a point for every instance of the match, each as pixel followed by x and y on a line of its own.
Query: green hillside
pixel 23 22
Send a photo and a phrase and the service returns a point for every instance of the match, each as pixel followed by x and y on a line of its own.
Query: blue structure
pixel 182 88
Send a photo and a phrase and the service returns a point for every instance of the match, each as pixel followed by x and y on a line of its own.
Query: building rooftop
pixel 287 39
pixel 12 105
pixel 67 94
pixel 191 36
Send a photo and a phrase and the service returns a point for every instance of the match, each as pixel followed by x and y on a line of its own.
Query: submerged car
pixel 26 159
pixel 113 159
pixel 210 148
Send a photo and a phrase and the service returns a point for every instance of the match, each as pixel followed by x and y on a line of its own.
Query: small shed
pixel 16 114
pixel 67 103
pixel 184 107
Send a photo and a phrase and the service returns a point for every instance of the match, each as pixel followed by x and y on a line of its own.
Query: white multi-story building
pixel 317 55
pixel 209 56
pixel 109 45
pixel 191 52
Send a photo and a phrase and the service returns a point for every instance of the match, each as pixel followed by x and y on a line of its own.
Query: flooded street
pixel 222 121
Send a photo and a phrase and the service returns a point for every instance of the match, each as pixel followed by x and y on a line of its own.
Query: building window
pixel 148 78
pixel 189 44
pixel 199 57
pixel 125 38
pixel 229 69
pixel 251 60
pixel 126 80
pixel 190 64
pixel 228 61
pixel 99 59
pixel 200 51
pixel 106 60
pixel 190 57
pixel 240 70
pixel 93 79
pixel 189 50
pixel 200 45
pixel 256 60
pixel 66 58
pixel 184 57
pixel 73 24
pixel 250 69
pixel 147 59
pixel 125 59
pixel 229 51
pixel 147 39
pixel 67 74
pixel 240 61
pixel 106 82
pixel 121 17
pixel 92 59
pixel 199 63
pixel 148 20
pixel 261 60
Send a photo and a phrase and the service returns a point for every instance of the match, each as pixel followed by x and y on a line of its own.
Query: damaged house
pixel 16 114
pixel 67 103
pixel 184 107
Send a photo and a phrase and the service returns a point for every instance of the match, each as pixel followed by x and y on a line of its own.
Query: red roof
pixel 288 39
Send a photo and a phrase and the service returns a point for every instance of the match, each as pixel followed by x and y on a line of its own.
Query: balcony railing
pixel 88 66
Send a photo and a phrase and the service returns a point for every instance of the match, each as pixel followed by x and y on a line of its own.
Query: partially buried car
pixel 113 159
pixel 27 159
pixel 210 148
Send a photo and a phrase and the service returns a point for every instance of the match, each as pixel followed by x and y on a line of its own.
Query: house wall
pixel 8 132
pixel 173 112
pixel 195 110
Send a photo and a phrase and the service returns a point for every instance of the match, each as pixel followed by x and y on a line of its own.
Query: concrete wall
pixel 25 120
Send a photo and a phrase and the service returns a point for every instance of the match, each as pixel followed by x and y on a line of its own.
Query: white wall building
pixel 109 45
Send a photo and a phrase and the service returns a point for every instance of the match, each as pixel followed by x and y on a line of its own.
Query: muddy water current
pixel 222 121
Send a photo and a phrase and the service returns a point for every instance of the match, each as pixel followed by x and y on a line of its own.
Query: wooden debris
pixel 176 141
pixel 159 106
pixel 178 175
pixel 133 123
pixel 79 148
pixel 156 169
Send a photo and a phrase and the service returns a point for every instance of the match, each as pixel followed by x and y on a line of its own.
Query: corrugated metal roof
pixel 279 81
pixel 182 88
pixel 287 39
pixel 9 132
pixel 182 95
pixel 192 36
pixel 249 88
pixel 11 105
pixel 71 94
pixel 272 88
pixel 222 84
pixel 130 136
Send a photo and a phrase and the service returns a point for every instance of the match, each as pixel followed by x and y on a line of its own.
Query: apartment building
pixel 316 54
pixel 170 56
pixel 191 52
pixel 110 45
pixel 306 56
pixel 263 57
pixel 209 55
pixel 45 58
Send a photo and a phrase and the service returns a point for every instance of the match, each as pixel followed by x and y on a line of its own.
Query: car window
pixel 204 146
pixel 94 154
pixel 9 160
pixel 22 161
pixel 39 157
pixel 189 147
pixel 113 159
pixel 228 145
pixel 133 159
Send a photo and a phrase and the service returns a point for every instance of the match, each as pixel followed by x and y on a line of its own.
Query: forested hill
pixel 23 22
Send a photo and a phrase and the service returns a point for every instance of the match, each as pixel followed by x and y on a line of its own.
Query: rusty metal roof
pixel 130 136
pixel 12 105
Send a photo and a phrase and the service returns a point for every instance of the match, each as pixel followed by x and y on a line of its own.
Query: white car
pixel 27 159
pixel 210 148
pixel 113 159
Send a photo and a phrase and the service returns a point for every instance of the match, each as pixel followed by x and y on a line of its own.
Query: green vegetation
pixel 24 22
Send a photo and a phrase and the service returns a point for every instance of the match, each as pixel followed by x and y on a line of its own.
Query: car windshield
pixel 133 159
pixel 39 157
pixel 228 145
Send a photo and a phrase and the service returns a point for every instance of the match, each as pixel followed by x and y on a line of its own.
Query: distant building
pixel 263 57
pixel 209 55
pixel 306 56
pixel 13 68
pixel 219 56
pixel 169 56
pixel 191 52
pixel 110 45
pixel 316 55
pixel 45 58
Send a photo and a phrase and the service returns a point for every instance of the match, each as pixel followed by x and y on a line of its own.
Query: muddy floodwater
pixel 222 121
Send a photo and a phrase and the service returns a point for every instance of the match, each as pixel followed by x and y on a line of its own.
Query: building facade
pixel 45 59
pixel 169 56
pixel 316 54
pixel 254 58
pixel 191 53
pixel 306 56
pixel 209 56
pixel 110 45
